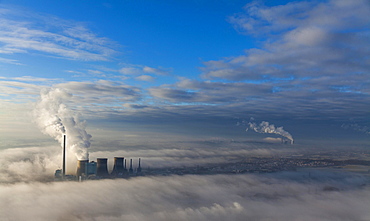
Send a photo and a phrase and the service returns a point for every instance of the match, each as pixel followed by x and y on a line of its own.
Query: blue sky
pixel 190 67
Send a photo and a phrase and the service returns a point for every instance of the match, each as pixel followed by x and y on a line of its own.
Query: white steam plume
pixel 55 119
pixel 266 127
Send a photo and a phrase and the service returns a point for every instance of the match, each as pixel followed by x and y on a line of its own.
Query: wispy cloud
pixel 209 92
pixel 145 78
pixel 157 71
pixel 10 61
pixel 9 88
pixel 25 32
pixel 101 92
pixel 141 72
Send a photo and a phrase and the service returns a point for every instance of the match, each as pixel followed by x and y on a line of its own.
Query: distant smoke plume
pixel 55 119
pixel 266 127
pixel 357 127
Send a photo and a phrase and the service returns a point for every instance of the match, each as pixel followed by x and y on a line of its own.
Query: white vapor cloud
pixel 357 127
pixel 56 119
pixel 266 127
pixel 29 164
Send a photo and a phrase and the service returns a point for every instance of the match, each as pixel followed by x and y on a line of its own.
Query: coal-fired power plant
pixel 98 169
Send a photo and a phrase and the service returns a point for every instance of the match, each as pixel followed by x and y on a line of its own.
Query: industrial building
pixel 98 169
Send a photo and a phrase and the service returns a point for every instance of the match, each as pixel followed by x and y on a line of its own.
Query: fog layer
pixel 293 196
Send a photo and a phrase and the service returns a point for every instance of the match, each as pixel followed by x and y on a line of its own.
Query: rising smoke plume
pixel 55 119
pixel 266 127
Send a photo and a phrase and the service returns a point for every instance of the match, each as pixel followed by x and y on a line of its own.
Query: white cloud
pixel 141 70
pixel 28 164
pixel 26 32
pixel 145 78
pixel 157 71
pixel 227 197
pixel 102 91
pixel 129 70
pixel 209 92
pixel 10 61
pixel 304 39
pixel 273 139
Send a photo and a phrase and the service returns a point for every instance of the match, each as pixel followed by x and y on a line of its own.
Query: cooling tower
pixel 118 168
pixel 102 167
pixel 82 167
pixel 91 168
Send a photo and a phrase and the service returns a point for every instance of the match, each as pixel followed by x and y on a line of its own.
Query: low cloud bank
pixel 28 164
pixel 39 163
pixel 293 196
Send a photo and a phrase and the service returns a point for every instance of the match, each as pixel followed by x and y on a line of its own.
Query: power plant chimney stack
pixel 118 168
pixel 102 167
pixel 64 157
pixel 131 171
pixel 139 168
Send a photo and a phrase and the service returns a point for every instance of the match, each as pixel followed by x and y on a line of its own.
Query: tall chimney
pixel 131 170
pixel 118 168
pixel 82 167
pixel 102 167
pixel 139 168
pixel 64 156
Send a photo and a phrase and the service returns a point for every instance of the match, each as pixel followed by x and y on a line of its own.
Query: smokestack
pixel 102 167
pixel 139 168
pixel 64 157
pixel 82 167
pixel 131 170
pixel 118 168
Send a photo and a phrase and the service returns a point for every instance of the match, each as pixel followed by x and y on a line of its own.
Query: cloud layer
pixel 324 196
pixel 311 63
pixel 304 40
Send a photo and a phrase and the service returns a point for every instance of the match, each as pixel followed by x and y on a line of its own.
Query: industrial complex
pixel 91 170
pixel 97 170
